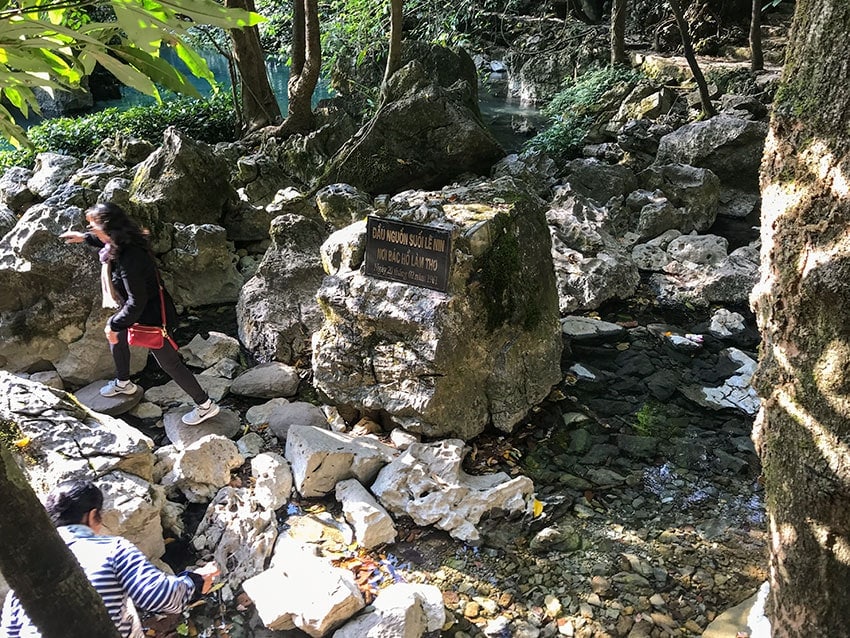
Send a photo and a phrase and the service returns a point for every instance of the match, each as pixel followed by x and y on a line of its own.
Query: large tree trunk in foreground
pixel 259 105
pixel 41 569
pixel 803 308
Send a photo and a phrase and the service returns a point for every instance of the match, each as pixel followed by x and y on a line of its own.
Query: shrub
pixel 572 111
pixel 654 420
pixel 209 120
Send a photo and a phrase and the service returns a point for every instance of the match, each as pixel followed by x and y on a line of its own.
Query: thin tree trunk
pixel 37 564
pixel 304 72
pixel 394 55
pixel 756 55
pixel 618 32
pixel 802 304
pixel 299 43
pixel 259 104
pixel 690 56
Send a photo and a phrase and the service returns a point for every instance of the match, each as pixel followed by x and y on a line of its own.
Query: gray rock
pixel 267 381
pixel 277 310
pixel 438 363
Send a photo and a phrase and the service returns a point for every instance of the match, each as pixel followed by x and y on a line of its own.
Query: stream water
pixel 509 121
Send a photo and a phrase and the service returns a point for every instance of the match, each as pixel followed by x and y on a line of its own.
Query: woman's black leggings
pixel 168 359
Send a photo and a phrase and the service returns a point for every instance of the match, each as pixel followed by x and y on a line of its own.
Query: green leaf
pixel 195 63
pixel 126 74
pixel 138 26
pixel 209 12
pixel 11 131
pixel 158 70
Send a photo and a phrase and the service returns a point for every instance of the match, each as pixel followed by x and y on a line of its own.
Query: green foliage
pixel 53 44
pixel 211 121
pixel 653 420
pixel 448 22
pixel 572 111
pixel 352 31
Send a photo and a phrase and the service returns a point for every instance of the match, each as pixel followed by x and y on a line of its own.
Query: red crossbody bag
pixel 151 337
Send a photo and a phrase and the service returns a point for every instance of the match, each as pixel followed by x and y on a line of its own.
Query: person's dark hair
pixel 120 227
pixel 69 502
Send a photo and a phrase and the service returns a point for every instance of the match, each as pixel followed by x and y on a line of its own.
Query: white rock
pixel 272 480
pixel 321 458
pixel 372 524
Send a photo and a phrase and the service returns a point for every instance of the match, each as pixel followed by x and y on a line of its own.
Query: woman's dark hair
pixel 121 229
pixel 68 503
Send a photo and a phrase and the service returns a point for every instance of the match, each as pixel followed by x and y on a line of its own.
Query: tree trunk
pixel 756 55
pixel 259 105
pixel 304 72
pixel 802 304
pixel 37 564
pixel 707 106
pixel 394 55
pixel 618 32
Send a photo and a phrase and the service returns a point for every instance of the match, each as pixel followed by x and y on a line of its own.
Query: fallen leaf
pixel 537 508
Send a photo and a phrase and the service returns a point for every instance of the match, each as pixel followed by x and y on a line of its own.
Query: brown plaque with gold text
pixel 409 253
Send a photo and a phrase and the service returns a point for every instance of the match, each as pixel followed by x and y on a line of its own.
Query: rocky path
pixel 652 521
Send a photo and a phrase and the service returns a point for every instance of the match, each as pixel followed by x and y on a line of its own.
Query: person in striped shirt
pixel 117 569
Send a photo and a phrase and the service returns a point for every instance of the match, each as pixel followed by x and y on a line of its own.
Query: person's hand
pixel 111 335
pixel 73 237
pixel 208 572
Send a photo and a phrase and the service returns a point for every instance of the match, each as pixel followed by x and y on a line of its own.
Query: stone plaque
pixel 408 253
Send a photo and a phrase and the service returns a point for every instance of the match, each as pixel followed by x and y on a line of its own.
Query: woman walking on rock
pixel 130 282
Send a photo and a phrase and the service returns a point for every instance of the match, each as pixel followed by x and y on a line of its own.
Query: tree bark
pixel 756 55
pixel 802 304
pixel 618 32
pixel 394 55
pixel 259 104
pixel 37 564
pixel 304 71
pixel 690 56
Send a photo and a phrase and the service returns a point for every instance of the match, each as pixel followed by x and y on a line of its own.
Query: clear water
pixel 502 116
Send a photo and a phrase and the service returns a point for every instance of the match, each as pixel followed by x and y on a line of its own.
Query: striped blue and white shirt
pixel 121 574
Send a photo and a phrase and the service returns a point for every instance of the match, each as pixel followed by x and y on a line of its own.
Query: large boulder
pixel 59 439
pixel 426 133
pixel 199 269
pixel 50 312
pixel 448 363
pixel 277 310
pixel 182 181
pixel 731 147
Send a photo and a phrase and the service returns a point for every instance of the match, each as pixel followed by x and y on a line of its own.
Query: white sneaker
pixel 116 387
pixel 201 413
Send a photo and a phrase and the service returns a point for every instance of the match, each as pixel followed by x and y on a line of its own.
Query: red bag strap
pixel 162 308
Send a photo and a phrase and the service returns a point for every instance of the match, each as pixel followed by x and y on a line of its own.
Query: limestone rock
pixel 432 97
pixel 320 459
pixel 267 381
pixel 181 181
pixel 285 599
pixel 199 269
pixel 240 532
pixel 442 363
pixel 277 309
pixel 427 483
pixel 203 467
pixel 372 524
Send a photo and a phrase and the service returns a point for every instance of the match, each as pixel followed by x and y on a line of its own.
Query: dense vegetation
pixel 572 111
pixel 208 120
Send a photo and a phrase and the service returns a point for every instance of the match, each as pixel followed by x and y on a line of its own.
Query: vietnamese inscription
pixel 408 253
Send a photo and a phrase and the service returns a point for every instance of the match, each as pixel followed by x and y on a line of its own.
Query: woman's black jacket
pixel 134 277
